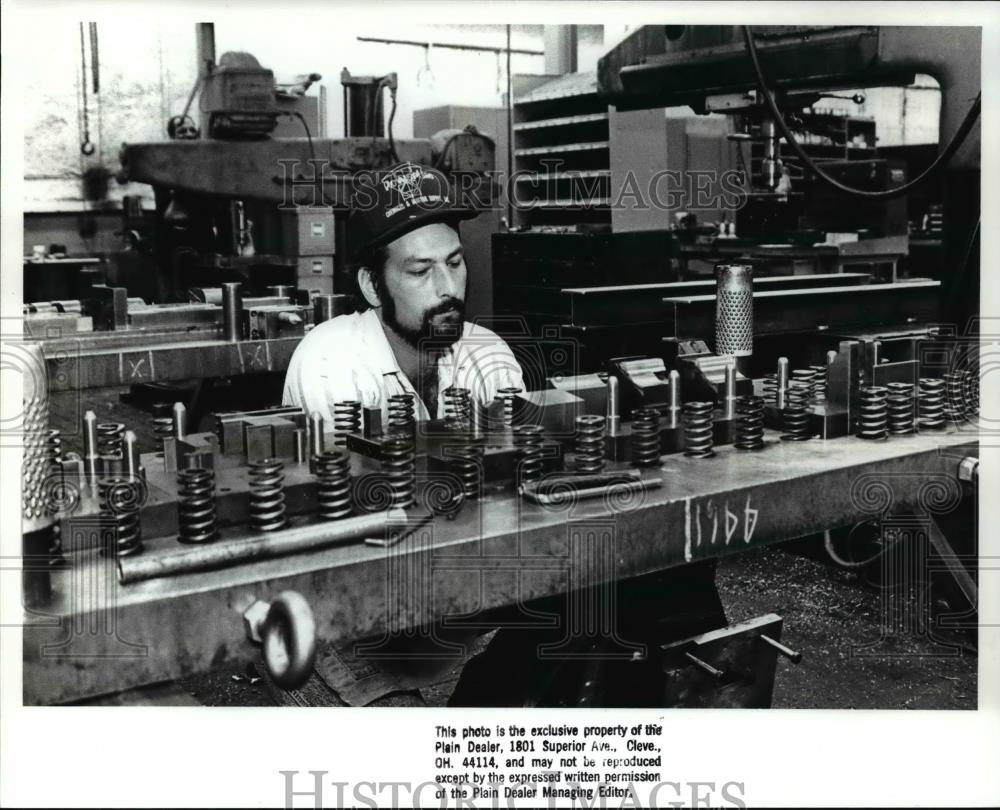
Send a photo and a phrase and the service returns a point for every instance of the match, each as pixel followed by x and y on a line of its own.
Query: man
pixel 411 335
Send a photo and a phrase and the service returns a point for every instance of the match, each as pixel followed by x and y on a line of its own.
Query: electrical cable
pixel 392 116
pixel 305 126
pixel 383 82
pixel 851 565
pixel 190 98
pixel 957 139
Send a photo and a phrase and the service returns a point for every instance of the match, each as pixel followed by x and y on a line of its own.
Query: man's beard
pixel 428 335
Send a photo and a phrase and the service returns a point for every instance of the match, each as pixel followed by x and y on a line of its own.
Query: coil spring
pixel 346 419
pixel 528 438
pixel 873 415
pixel 589 444
pixel 749 423
pixel 163 427
pixel 466 462
pixel 901 410
pixel 333 469
pixel 645 441
pixel 110 439
pixel 795 415
pixel 196 515
pixel 970 386
pixel 930 402
pixel 821 377
pixel 267 494
pixel 698 425
pixel 806 379
pixel 457 405
pixel 954 402
pixel 118 501
pixel 401 413
pixel 399 469
pixel 770 390
pixel 507 395
pixel 53 445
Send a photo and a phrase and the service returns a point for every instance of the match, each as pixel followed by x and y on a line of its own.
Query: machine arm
pixel 684 65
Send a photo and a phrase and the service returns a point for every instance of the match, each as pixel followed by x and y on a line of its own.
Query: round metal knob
pixel 968 470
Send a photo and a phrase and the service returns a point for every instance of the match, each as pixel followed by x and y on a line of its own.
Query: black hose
pixel 843 562
pixel 305 126
pixel 392 116
pixel 957 139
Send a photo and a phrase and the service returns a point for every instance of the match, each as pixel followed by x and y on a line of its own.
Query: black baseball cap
pixel 388 204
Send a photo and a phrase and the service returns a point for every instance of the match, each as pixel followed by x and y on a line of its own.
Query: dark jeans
pixel 576 664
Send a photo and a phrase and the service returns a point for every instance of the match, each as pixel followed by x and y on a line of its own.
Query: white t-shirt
pixel 349 357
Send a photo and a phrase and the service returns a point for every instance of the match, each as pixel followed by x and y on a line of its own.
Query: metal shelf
pixel 582 174
pixel 564 121
pixel 597 202
pixel 570 147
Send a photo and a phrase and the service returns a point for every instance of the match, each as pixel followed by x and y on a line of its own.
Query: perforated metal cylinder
pixel 35 511
pixel 734 310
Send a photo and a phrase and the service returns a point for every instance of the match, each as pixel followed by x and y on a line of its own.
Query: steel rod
pixel 789 653
pixel 189 560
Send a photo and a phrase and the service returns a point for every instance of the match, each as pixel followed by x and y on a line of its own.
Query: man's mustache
pixel 445 307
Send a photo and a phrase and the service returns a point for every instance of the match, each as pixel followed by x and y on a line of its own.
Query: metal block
pixel 194 450
pixel 554 410
pixel 230 426
pixel 177 315
pixel 230 432
pixel 283 438
pixel 267 323
pixel 371 422
pixel 258 440
pixel 590 388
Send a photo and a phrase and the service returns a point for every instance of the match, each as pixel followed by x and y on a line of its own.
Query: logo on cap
pixel 405 180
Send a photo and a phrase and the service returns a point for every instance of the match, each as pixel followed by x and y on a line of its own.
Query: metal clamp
pixel 286 631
